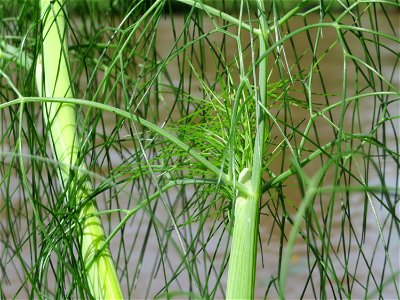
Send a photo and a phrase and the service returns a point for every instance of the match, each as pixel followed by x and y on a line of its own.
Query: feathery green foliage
pixel 246 153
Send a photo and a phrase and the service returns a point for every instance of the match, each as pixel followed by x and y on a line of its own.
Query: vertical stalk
pixel 241 272
pixel 242 262
pixel 60 118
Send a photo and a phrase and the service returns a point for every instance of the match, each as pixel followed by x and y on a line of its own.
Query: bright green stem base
pixel 242 261
pixel 100 271
pixel 103 279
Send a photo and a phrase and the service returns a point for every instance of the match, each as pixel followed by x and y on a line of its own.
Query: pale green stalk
pixel 241 272
pixel 60 118
pixel 243 257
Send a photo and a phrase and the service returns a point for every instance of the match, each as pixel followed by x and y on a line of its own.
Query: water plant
pixel 199 149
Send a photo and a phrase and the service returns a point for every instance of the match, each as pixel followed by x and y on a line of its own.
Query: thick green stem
pixel 243 257
pixel 60 118
pixel 242 261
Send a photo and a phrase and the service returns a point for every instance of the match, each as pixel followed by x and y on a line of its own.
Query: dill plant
pixel 204 146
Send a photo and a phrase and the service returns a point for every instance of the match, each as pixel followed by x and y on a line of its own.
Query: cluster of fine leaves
pixel 330 173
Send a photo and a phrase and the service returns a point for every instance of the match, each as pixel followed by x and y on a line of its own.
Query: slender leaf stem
pixel 153 127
